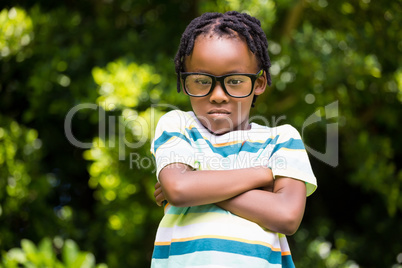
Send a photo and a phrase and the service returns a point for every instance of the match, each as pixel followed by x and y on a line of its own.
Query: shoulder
pixel 174 114
pixel 288 130
pixel 282 131
pixel 176 117
pixel 175 121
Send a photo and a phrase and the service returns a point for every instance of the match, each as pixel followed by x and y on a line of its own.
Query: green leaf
pixel 70 252
pixel 84 260
pixel 28 246
pixel 16 254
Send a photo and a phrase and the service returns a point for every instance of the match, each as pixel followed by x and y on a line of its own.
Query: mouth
pixel 219 112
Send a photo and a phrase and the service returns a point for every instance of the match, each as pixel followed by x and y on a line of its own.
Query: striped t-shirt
pixel 208 236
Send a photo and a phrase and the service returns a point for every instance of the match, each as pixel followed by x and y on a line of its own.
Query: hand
pixel 269 187
pixel 158 194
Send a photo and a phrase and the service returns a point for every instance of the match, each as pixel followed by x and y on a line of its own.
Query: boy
pixel 234 188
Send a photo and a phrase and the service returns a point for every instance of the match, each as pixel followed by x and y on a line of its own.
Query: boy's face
pixel 219 112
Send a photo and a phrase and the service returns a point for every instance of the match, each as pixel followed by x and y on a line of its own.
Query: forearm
pixel 279 211
pixel 185 187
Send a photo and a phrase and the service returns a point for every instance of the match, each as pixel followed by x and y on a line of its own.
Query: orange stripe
pixel 167 204
pixel 221 237
pixel 226 143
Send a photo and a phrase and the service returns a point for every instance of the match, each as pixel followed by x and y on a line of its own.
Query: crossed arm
pixel 249 193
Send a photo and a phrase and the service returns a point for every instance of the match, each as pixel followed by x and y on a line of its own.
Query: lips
pixel 219 111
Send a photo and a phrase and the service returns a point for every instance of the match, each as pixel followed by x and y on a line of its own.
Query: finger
pixel 157 185
pixel 159 199
pixel 157 192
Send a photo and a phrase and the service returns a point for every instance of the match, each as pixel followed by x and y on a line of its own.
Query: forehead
pixel 221 55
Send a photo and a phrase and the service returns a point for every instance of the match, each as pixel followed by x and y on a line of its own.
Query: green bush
pixel 58 253
pixel 118 56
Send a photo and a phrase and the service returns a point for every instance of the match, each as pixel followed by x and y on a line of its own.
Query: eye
pixel 202 81
pixel 199 79
pixel 234 81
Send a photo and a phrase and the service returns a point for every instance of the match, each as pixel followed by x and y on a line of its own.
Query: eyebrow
pixel 226 73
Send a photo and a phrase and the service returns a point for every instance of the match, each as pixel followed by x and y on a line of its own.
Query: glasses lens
pixel 198 84
pixel 238 85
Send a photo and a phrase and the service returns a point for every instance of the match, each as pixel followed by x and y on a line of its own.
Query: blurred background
pixel 82 84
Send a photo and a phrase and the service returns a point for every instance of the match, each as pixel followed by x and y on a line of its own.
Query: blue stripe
pixel 166 136
pixel 161 252
pixel 251 147
pixel 289 144
pixel 222 245
pixel 287 262
pixel 225 151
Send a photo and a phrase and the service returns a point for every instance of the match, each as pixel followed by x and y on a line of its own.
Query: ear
pixel 260 84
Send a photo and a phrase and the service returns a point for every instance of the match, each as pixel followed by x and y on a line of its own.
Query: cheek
pixel 243 107
pixel 197 104
pixel 246 104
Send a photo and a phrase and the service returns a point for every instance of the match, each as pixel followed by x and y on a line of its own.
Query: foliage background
pixel 94 204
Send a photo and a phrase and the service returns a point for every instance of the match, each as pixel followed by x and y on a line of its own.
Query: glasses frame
pixel 221 79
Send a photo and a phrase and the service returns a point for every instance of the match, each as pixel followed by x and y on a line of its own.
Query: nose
pixel 218 95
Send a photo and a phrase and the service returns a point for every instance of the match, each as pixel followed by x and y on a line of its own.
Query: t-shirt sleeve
pixel 289 158
pixel 171 143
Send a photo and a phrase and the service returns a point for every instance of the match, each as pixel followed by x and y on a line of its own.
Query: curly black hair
pixel 228 24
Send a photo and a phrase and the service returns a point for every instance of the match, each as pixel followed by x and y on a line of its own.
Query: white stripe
pixel 219 260
pixel 229 226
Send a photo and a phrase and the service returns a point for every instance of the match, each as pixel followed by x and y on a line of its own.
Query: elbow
pixel 287 224
pixel 290 228
pixel 290 219
pixel 291 222
pixel 174 194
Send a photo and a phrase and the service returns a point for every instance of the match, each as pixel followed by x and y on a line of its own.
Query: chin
pixel 217 126
pixel 220 130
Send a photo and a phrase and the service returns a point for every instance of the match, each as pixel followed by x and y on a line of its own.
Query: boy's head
pixel 223 64
pixel 229 24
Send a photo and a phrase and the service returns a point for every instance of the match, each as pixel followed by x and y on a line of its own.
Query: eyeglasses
pixel 235 85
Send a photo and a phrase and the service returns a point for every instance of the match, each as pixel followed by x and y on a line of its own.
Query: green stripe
pixel 172 220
